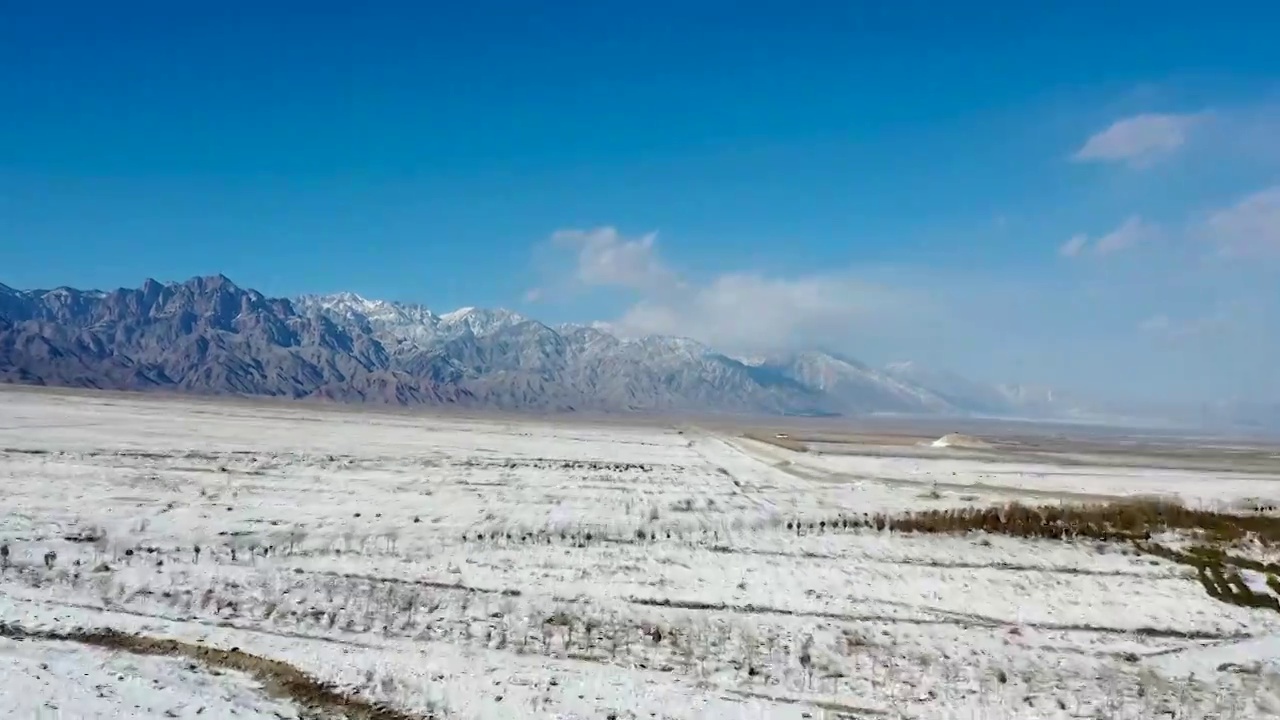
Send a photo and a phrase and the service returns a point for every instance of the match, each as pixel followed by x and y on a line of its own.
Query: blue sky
pixel 1080 196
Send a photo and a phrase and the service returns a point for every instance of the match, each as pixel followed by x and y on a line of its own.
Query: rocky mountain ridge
pixel 208 335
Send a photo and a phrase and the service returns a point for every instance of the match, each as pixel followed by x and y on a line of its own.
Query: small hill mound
pixel 958 440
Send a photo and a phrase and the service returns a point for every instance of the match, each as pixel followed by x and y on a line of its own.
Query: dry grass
pixel 278 678
pixel 1134 522
pixel 1218 573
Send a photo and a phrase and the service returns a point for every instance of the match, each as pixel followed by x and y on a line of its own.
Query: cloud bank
pixel 738 311
pixel 1169 301
pixel 1133 231
pixel 1250 227
pixel 1139 141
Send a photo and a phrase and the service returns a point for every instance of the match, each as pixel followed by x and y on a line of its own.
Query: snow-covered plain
pixel 67 680
pixel 501 568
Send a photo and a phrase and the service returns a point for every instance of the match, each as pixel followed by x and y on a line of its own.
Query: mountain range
pixel 208 335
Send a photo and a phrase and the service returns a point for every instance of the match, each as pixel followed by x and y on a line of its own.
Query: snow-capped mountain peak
pixel 480 321
pixel 901 387
pixel 349 303
pixel 458 314
pixel 345 345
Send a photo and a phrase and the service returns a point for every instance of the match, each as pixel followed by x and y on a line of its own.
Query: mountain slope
pixel 207 335
pixel 953 389
pixel 1004 400
pixel 506 360
pixel 857 387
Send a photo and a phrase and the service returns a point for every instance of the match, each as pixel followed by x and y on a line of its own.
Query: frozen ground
pixel 1003 480
pixel 493 569
pixel 67 680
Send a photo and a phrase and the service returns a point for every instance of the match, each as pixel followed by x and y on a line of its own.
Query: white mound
pixel 957 440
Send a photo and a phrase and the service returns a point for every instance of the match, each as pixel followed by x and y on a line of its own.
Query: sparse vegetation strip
pixel 321 700
pixel 940 564
pixel 1134 522
pixel 961 620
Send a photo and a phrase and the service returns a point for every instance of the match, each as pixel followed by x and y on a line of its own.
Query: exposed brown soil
pixel 318 699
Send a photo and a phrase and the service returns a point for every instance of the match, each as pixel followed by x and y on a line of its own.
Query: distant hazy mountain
pixel 207 335
pixel 855 386
pixel 1001 400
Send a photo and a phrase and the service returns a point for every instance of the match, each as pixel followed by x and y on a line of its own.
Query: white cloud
pixel 606 258
pixel 1193 327
pixel 1156 324
pixel 989 323
pixel 749 312
pixel 1074 246
pixel 1138 140
pixel 1132 231
pixel 1250 228
pixel 732 312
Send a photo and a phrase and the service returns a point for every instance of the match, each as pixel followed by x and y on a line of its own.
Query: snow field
pixel 45 679
pixel 1200 489
pixel 496 569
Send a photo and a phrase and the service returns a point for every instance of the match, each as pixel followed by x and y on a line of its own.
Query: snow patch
pixel 958 440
